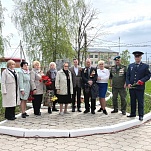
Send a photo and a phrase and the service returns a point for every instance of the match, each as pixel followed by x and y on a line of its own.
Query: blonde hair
pixel 52 63
pixel 36 63
pixel 10 62
pixel 100 62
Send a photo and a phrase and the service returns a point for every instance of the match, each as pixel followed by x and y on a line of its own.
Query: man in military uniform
pixel 89 78
pixel 137 74
pixel 118 84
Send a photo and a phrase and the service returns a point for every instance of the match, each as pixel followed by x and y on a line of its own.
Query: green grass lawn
pixel 147 99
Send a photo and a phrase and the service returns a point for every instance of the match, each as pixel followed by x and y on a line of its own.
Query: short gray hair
pixel 100 62
pixel 52 63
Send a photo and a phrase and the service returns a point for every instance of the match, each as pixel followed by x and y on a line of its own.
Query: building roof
pixel 5 59
pixel 97 49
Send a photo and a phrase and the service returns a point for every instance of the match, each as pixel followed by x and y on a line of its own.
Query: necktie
pixel 88 72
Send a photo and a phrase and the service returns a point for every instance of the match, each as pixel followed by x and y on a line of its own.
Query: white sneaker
pixel 60 113
pixel 66 112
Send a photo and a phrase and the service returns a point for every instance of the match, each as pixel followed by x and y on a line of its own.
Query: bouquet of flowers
pixel 30 98
pixel 136 84
pixel 46 80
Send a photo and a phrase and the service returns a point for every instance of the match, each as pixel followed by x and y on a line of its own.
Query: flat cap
pixel 137 53
pixel 117 58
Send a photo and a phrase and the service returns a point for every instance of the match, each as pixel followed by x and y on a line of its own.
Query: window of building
pixel 96 56
pixel 91 56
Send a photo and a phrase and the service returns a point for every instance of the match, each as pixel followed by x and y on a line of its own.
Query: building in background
pixel 107 55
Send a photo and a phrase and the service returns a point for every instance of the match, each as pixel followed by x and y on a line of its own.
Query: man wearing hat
pixel 118 84
pixel 137 74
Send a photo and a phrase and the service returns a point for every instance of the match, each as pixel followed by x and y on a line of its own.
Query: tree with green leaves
pixel 43 25
pixel 125 57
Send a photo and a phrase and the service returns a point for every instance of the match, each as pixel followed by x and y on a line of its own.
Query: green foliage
pixel 148 87
pixel 125 57
pixel 44 26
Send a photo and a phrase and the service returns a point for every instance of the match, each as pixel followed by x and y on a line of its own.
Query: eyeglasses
pixel 65 66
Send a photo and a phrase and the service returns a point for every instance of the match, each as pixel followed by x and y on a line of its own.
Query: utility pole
pixel 21 52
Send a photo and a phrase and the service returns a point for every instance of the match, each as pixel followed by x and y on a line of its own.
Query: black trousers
pixel 9 112
pixel 76 92
pixel 138 95
pixel 86 101
pixel 37 103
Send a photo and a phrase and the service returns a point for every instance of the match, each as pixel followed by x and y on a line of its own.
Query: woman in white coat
pixel 10 90
pixel 64 87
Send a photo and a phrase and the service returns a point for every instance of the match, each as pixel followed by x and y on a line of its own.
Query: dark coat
pixel 138 73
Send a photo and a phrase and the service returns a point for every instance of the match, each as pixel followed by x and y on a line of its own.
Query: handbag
pixel 47 98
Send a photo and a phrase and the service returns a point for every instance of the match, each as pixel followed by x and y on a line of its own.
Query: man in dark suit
pixel 76 79
pixel 137 74
pixel 89 77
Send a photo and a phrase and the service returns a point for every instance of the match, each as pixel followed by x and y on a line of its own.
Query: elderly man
pixel 137 74
pixel 89 78
pixel 118 84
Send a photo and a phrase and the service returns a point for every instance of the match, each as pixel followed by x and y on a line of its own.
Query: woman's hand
pixel 34 91
pixel 22 92
pixel 58 91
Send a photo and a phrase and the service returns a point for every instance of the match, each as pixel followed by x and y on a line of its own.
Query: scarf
pixel 53 73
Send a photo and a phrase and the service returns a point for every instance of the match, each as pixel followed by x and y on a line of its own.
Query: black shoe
pixel 49 110
pixel 54 109
pixel 23 115
pixel 114 111
pixel 105 112
pixel 86 111
pixel 100 110
pixel 140 118
pixel 73 109
pixel 26 114
pixel 131 115
pixel 123 112
pixel 92 112
pixel 79 110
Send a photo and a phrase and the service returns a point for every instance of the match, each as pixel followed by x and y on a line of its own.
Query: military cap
pixel 117 58
pixel 137 53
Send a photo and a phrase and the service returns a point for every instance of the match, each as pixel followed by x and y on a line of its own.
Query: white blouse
pixel 104 75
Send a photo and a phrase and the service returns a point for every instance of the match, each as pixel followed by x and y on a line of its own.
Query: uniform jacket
pixel 61 82
pixel 8 86
pixel 93 75
pixel 24 84
pixel 118 76
pixel 76 79
pixel 35 76
pixel 138 73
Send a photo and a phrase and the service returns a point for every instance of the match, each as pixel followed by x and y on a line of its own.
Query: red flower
pixel 140 82
pixel 30 98
pixel 46 80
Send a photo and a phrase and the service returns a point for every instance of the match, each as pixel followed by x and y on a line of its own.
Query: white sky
pixel 128 19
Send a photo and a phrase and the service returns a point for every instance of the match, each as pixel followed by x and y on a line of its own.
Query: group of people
pixel 68 83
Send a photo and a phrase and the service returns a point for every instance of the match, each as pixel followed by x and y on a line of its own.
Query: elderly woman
pixel 36 87
pixel 10 90
pixel 64 87
pixel 102 80
pixel 51 73
pixel 24 86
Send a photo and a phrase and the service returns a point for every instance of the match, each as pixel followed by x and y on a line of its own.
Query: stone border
pixel 21 132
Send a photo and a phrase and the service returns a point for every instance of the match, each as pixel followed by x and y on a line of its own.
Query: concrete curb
pixel 21 132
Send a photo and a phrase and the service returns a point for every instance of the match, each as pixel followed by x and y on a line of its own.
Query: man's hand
pixel 90 82
pixel 129 85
